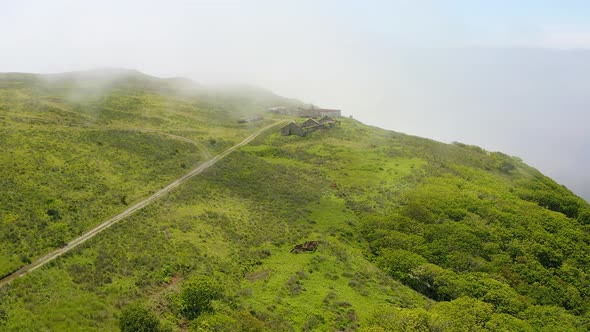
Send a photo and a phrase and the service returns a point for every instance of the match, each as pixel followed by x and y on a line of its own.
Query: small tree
pixel 138 318
pixel 197 294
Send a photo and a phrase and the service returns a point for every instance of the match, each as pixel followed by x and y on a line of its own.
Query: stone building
pixel 293 129
pixel 327 120
pixel 310 123
pixel 329 112
pixel 314 112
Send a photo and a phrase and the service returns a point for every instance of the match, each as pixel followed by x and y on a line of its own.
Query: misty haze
pixel 288 165
pixel 418 69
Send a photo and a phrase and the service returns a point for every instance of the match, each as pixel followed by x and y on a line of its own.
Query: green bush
pixel 197 294
pixel 217 322
pixel 400 263
pixel 462 314
pixel 584 217
pixel 136 318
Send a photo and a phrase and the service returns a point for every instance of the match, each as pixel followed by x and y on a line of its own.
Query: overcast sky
pixel 510 75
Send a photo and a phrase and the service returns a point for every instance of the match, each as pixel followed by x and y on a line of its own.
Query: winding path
pixel 91 233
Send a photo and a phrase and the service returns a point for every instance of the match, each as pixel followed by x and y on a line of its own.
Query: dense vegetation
pixel 415 235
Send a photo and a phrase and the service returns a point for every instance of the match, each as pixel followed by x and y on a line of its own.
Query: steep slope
pixel 412 234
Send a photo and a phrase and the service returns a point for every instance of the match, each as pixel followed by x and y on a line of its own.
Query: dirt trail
pixel 91 233
pixel 199 145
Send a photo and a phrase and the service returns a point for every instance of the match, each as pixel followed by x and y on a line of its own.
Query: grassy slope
pixel 502 243
pixel 76 150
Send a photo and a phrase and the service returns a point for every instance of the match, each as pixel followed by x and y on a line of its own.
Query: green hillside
pixel 413 235
pixel 78 147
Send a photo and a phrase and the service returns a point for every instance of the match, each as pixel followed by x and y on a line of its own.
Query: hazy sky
pixel 506 75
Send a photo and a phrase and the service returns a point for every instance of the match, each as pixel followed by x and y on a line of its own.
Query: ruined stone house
pixel 293 129
pixel 326 120
pixel 310 123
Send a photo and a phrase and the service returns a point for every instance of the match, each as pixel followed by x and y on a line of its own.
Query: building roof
pixel 310 123
pixel 326 119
